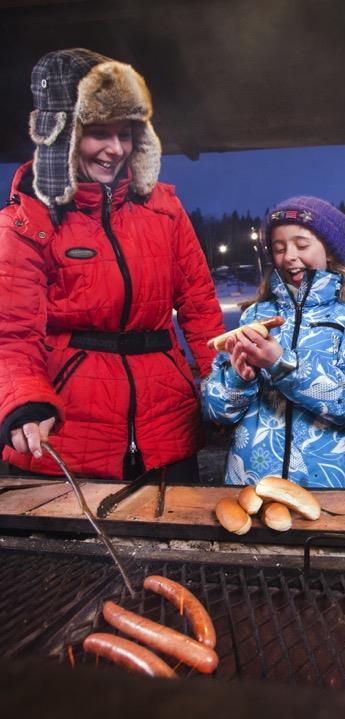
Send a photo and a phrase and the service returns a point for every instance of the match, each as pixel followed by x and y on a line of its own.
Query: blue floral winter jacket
pixel 290 424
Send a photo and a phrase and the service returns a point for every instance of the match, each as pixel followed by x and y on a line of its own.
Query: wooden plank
pixel 185 507
pixel 196 505
pixel 191 505
pixel 67 505
pixel 8 482
pixel 21 501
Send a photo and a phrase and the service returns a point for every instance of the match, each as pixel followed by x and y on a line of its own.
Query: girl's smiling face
pixel 104 149
pixel 296 249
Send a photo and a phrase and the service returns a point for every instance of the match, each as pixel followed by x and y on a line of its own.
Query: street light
pixel 223 249
pixel 254 236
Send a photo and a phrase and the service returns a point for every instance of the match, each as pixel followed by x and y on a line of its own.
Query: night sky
pixel 257 179
pixel 246 181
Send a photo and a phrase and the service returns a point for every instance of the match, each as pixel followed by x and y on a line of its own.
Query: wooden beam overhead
pixel 226 75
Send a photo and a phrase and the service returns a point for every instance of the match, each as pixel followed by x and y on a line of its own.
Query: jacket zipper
pixel 132 450
pixel 72 363
pixel 191 384
pixel 119 256
pixel 289 403
pixel 133 454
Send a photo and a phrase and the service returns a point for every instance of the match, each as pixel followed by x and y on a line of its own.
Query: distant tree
pixel 231 230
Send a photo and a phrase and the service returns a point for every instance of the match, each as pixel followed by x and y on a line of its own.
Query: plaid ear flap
pixel 50 124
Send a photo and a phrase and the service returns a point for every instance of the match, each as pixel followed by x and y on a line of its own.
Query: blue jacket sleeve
pixel 225 395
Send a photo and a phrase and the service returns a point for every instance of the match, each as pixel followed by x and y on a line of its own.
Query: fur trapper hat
pixel 77 87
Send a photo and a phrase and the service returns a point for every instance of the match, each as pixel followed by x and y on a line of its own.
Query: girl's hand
pixel 28 438
pixel 259 352
pixel 239 361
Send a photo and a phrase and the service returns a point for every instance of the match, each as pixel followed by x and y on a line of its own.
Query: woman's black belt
pixel 124 343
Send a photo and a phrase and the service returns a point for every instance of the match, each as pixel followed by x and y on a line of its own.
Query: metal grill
pixel 272 624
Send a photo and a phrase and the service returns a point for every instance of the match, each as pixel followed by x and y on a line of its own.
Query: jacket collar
pixel 90 195
pixel 325 288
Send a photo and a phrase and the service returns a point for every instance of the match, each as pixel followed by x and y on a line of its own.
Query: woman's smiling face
pixel 296 249
pixel 103 150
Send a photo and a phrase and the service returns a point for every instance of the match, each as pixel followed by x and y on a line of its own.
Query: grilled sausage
pixel 187 650
pixel 127 654
pixel 261 326
pixel 185 601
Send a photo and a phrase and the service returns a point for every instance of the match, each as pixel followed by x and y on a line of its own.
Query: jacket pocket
pixel 68 369
pixel 190 382
pixel 326 338
pixel 333 325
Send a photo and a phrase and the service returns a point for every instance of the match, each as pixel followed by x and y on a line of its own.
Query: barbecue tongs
pixel 87 511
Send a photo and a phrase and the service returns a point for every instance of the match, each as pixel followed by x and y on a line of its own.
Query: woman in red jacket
pixel 94 256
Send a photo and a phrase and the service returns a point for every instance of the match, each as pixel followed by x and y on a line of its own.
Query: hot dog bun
pixel 261 326
pixel 232 516
pixel 249 500
pixel 292 495
pixel 276 516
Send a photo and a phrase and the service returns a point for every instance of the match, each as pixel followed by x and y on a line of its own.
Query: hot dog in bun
pixel 262 327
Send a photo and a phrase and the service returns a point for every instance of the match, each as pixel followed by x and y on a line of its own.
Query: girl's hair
pixel 265 293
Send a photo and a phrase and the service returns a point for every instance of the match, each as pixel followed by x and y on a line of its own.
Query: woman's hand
pixel 28 438
pixel 248 350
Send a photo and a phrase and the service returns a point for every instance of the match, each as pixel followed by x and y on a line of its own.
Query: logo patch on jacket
pixel 80 253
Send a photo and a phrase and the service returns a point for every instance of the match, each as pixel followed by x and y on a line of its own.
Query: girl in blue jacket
pixel 286 394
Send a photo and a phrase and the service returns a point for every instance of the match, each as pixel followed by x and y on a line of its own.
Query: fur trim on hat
pixel 145 158
pixel 113 91
pixel 60 117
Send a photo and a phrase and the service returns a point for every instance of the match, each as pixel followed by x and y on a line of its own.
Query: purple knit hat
pixel 317 215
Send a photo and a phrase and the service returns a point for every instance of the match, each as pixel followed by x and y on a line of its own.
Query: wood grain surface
pixel 183 505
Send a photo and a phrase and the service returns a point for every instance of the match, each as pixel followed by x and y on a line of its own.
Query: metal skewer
pixel 161 493
pixel 87 511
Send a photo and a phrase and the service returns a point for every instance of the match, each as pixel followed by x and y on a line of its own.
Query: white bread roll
pixel 276 516
pixel 249 500
pixel 262 327
pixel 232 516
pixel 292 495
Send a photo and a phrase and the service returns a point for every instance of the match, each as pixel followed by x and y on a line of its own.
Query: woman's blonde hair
pixel 265 293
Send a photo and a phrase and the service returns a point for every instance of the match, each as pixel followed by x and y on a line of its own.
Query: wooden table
pixel 188 512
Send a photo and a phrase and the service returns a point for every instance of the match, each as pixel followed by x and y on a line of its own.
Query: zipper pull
pixel 133 447
pixel 133 452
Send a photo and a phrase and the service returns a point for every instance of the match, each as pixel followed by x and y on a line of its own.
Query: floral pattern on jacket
pixel 315 391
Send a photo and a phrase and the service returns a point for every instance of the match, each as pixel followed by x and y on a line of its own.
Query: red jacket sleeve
pixel 23 318
pixel 198 310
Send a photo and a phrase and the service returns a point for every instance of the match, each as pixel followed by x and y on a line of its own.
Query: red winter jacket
pixel 139 267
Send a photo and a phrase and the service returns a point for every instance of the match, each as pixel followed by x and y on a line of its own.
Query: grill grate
pixel 273 624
